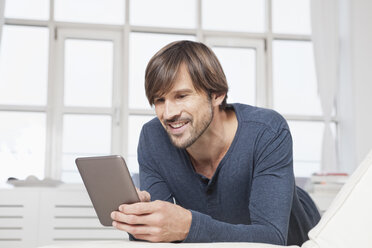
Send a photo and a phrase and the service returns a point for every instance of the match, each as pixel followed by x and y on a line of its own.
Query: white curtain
pixel 2 8
pixel 324 20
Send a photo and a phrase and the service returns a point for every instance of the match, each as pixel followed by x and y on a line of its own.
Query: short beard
pixel 195 135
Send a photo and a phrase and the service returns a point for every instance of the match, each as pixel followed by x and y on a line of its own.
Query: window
pixel 92 11
pixel 294 85
pixel 291 20
pixel 294 78
pixel 243 64
pixel 76 87
pixel 23 98
pixel 153 13
pixel 87 74
pixel 234 15
pixel 24 81
pixel 22 144
pixel 83 136
pixel 239 65
pixel 27 9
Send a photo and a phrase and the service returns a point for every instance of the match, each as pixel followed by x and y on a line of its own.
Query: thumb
pixel 143 195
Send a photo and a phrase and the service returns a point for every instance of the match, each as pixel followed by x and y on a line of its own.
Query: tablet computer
pixel 109 184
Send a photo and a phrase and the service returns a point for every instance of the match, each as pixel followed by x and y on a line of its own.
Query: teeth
pixel 177 125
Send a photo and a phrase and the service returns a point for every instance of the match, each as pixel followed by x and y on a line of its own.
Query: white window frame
pixel 120 111
pixel 56 102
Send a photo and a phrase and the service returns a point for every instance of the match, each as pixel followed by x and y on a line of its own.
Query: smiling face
pixel 184 112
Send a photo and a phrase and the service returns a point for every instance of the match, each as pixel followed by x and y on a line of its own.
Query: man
pixel 228 168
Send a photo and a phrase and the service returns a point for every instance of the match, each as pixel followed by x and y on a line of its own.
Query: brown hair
pixel 202 64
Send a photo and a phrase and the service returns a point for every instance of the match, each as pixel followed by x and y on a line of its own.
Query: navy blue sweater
pixel 252 196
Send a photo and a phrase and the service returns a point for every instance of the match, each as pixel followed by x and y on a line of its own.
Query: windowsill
pixel 62 186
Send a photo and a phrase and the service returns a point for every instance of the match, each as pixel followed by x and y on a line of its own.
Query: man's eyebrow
pixel 174 92
pixel 182 91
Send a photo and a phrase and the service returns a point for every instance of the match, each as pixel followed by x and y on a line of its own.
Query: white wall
pixel 355 103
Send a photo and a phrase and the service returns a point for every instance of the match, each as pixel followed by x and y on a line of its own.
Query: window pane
pixel 163 13
pixel 88 73
pixel 24 65
pixel 90 11
pixel 142 47
pixel 294 80
pixel 307 146
pixel 291 16
pixel 27 9
pixel 22 145
pixel 239 65
pixel 83 135
pixel 234 15
pixel 135 126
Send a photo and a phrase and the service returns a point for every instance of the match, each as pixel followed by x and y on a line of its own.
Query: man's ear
pixel 217 98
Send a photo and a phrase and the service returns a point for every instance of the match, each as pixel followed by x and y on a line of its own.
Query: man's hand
pixel 157 221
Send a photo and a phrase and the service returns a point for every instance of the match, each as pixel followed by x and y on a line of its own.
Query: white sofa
pixel 347 223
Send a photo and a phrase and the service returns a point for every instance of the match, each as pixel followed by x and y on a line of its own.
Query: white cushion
pixel 348 221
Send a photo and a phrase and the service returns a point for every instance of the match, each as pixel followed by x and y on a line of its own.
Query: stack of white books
pixel 328 183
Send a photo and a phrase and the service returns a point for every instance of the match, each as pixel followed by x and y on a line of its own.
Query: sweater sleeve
pixel 270 199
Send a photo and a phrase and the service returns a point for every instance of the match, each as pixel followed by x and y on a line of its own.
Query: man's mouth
pixel 177 125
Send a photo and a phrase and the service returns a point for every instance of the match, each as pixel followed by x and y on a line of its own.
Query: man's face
pixel 184 112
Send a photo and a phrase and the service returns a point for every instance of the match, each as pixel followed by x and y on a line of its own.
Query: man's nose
pixel 171 110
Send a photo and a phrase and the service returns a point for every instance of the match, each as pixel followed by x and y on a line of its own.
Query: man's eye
pixel 158 100
pixel 181 96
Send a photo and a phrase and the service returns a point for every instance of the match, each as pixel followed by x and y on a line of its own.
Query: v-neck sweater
pixel 252 196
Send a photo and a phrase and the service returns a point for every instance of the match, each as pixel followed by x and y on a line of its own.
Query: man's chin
pixel 180 142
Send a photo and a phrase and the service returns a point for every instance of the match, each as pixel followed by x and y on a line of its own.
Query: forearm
pixel 206 229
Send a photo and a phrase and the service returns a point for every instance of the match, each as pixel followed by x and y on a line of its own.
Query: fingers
pixel 139 208
pixel 142 232
pixel 135 230
pixel 153 221
pixel 143 195
pixel 132 219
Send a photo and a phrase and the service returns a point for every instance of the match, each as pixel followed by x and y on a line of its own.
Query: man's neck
pixel 208 151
